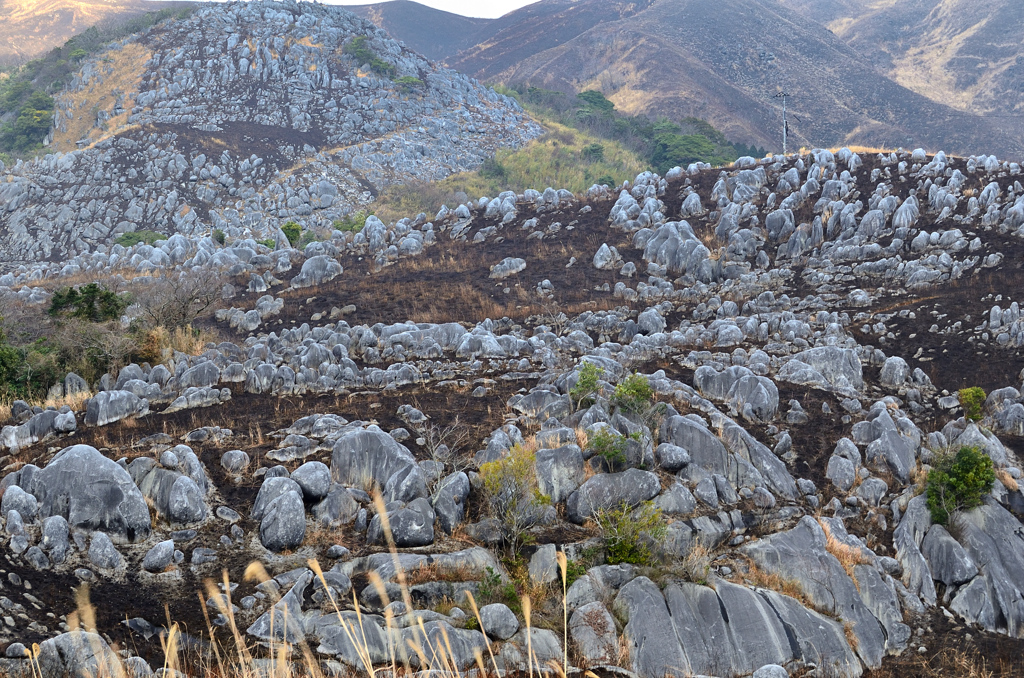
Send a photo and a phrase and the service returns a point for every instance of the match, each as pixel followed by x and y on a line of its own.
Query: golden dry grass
pixel 1007 480
pixel 122 72
pixel 848 556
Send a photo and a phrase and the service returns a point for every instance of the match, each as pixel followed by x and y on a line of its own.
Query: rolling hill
pixel 968 55
pixel 724 62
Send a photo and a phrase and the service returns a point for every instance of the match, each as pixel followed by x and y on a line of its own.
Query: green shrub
pixel 634 393
pixel 972 399
pixel 267 242
pixel 513 495
pixel 628 531
pixel 135 237
pixel 407 83
pixel 958 482
pixel 493 590
pixel 353 223
pixel 586 385
pixel 593 153
pixel 293 232
pixel 90 302
pixel 610 446
pixel 219 236
pixel 493 169
pixel 358 49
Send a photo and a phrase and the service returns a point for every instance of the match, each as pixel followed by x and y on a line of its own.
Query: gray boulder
pixel 895 372
pixel 507 267
pixel 316 271
pixel 366 457
pixel 55 538
pixel 314 479
pixel 800 554
pixel 107 407
pixel 411 525
pixel 498 621
pixel 17 499
pixel 610 490
pixel 826 367
pixel 102 552
pixel 592 629
pixel 77 654
pixel 559 472
pixel 90 491
pixel 284 522
pixel 271 489
pixel 159 557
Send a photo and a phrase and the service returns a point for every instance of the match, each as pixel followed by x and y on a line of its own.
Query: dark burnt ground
pixel 252 418
pixel 949 653
pixel 450 281
pixel 950 361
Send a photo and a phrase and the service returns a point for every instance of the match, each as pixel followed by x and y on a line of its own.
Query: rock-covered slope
pixel 242 117
pixel 801 321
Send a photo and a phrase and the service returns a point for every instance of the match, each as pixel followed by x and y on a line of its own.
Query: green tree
pixel 90 302
pixel 586 384
pixel 293 232
pixel 972 399
pixel 628 532
pixel 634 393
pixel 958 482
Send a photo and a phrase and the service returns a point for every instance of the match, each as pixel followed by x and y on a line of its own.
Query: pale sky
pixel 490 9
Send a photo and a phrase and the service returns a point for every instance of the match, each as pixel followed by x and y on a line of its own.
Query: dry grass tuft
pixel 1007 480
pixel 848 556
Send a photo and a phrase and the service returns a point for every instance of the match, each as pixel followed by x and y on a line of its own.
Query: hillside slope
pixel 680 58
pixel 244 116
pixel 434 33
pixel 968 55
pixel 724 62
pixel 30 28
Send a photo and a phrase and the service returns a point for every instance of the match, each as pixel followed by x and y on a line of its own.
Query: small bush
pixel 493 169
pixel 972 399
pixel 634 393
pixel 353 223
pixel 628 532
pixel 219 236
pixel 407 83
pixel 958 482
pixel 361 52
pixel 267 242
pixel 593 153
pixel 610 446
pixel 135 237
pixel 493 590
pixel 293 232
pixel 586 384
pixel 513 494
pixel 90 302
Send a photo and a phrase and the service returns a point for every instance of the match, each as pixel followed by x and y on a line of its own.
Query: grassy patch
pixel 135 237
pixel 560 159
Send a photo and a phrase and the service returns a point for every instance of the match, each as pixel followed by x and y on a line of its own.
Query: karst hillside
pixel 761 416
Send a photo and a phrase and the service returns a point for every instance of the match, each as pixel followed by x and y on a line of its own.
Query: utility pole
pixel 785 125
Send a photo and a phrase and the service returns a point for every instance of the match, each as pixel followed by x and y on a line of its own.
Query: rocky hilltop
pixel 242 117
pixel 754 368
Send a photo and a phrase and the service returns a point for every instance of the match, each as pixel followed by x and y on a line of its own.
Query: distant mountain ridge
pixel 966 53
pixel 683 58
